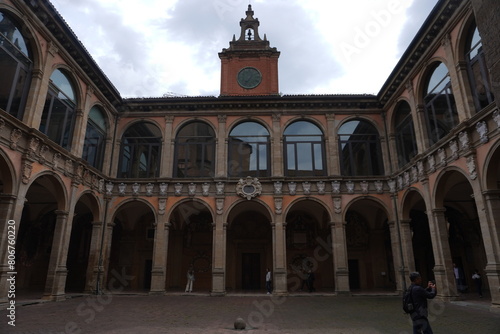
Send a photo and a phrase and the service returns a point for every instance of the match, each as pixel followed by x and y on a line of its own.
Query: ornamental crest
pixel 249 188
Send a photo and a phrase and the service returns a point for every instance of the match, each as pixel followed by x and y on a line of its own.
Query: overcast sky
pixel 149 48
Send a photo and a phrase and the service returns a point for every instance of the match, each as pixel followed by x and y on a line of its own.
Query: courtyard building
pixel 359 189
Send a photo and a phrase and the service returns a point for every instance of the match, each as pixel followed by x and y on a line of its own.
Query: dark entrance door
pixel 354 275
pixel 250 271
pixel 148 266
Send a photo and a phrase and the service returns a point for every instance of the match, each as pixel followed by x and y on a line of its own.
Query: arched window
pixel 360 152
pixel 406 143
pixel 15 67
pixel 304 150
pixel 59 111
pixel 477 70
pixel 440 110
pixel 248 153
pixel 140 151
pixel 195 151
pixel 95 138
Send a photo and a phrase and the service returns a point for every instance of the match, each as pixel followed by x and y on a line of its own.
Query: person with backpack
pixel 417 299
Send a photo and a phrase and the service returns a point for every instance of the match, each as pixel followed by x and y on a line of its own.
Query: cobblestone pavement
pixel 199 313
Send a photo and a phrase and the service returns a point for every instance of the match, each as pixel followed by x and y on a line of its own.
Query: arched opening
pixel 190 246
pixel 132 246
pixel 369 248
pixel 79 245
pixel 455 195
pixel 308 247
pixel 249 247
pixel 36 235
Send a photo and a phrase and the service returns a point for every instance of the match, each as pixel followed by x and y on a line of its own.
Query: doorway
pixel 250 271
pixel 354 283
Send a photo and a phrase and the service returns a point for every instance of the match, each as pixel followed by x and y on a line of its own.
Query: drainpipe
pixel 395 205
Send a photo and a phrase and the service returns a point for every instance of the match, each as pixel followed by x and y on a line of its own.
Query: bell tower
pixel 249 66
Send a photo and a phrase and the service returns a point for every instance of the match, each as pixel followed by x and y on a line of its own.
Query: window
pixel 15 67
pixel 360 152
pixel 195 151
pixel 95 138
pixel 304 150
pixel 405 134
pixel 477 70
pixel 140 151
pixel 249 150
pixel 440 111
pixel 59 111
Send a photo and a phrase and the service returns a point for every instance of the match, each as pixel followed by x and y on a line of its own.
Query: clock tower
pixel 249 66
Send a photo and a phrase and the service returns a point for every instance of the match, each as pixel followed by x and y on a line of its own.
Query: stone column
pixel 57 272
pixel 490 229
pixel 160 252
pixel 9 230
pixel 443 268
pixel 400 260
pixel 280 283
pixel 407 246
pixel 93 264
pixel 219 253
pixel 340 256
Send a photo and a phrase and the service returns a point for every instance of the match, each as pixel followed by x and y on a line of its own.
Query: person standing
pixel 190 280
pixel 269 285
pixel 476 278
pixel 310 281
pixel 420 296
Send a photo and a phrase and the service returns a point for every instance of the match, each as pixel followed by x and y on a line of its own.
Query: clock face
pixel 249 77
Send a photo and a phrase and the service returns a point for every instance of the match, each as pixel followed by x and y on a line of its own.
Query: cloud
pixel 154 47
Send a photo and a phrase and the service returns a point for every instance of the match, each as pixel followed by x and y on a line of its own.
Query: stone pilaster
pixel 340 257
pixel 57 272
pixel 219 256
pixel 160 252
pixel 443 268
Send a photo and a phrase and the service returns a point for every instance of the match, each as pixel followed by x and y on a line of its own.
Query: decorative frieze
pixel 432 163
pixel 27 169
pixel 321 187
pixel 278 188
pixel 162 204
pixel 249 188
pixel 219 203
pixel 463 137
pixel 191 189
pixel 306 186
pixel 364 187
pixel 335 187
pixel 178 189
pixel 471 166
pixel 278 205
pixel 442 157
pixel 292 188
pixel 15 136
pixel 163 189
pixel 337 204
pixel 379 187
pixel 482 130
pixel 350 187
pixel 219 188
pixel 496 118
pixel 135 189
pixel 205 189
pixel 121 189
pixel 109 188
pixel 454 149
pixel 149 189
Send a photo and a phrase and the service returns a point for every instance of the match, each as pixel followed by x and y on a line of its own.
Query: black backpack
pixel 408 306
